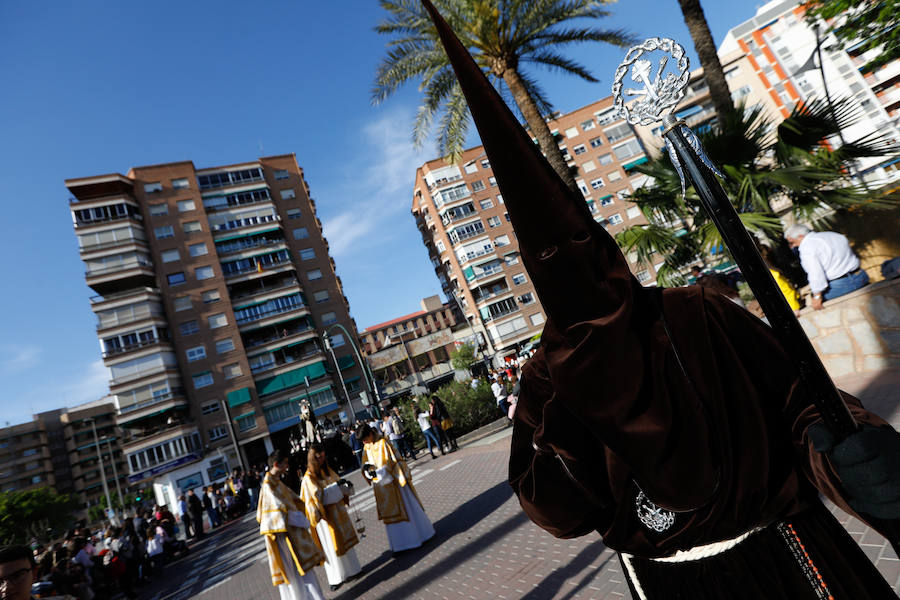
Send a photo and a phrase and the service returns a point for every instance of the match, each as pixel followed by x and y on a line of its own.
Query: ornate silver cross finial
pixel 658 94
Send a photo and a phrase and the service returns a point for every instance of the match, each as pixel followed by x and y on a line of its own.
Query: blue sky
pixel 97 87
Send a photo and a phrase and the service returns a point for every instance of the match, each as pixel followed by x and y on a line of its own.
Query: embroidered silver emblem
pixel 659 93
pixel 653 517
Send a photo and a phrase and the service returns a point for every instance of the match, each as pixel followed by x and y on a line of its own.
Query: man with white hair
pixel 830 264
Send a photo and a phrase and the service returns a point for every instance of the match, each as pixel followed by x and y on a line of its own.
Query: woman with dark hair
pixel 398 504
pixel 790 293
pixel 327 513
pixel 439 411
pixel 292 550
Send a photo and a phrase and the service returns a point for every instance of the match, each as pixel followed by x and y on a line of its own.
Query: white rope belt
pixel 695 553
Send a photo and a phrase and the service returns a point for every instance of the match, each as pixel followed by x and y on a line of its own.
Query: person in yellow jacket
pixel 398 504
pixel 326 509
pixel 790 293
pixel 293 551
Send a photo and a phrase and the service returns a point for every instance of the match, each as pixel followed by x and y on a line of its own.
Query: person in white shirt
pixel 830 264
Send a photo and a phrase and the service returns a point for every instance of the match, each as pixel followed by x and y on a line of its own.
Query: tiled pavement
pixel 484 547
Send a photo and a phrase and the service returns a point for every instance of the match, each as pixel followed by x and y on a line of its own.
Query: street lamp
pixel 367 372
pixel 112 459
pixel 102 470
pixel 327 341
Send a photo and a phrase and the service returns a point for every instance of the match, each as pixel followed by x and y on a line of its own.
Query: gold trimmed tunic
pixel 342 533
pixel 391 508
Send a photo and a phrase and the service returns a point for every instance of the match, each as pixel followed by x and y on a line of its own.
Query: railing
pixel 239 199
pixel 290 359
pixel 135 316
pixel 256 267
pixel 450 216
pixel 122 294
pixel 442 182
pixel 134 346
pixel 249 221
pixel 268 313
pixel 119 267
pixel 134 436
pixel 490 295
pixel 263 290
pixel 457 237
pixel 112 244
pixel 473 254
pixel 506 311
pixel 158 399
pixel 284 333
pixel 82 223
pixel 488 272
pixel 233 246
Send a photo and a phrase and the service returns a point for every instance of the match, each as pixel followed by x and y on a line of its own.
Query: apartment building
pixel 778 46
pixel 465 228
pixel 214 288
pixel 25 459
pixel 411 354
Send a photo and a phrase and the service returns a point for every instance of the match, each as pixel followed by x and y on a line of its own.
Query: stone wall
pixel 859 332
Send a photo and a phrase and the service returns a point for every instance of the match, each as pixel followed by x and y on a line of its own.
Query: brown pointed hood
pixel 602 341
pixel 545 214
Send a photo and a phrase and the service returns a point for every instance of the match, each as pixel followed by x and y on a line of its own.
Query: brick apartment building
pixel 214 289
pixel 460 214
pixel 25 458
pixel 411 354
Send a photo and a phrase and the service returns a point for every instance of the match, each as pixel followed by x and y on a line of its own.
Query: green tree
pixel 763 165
pixel 874 25
pixel 21 511
pixel 463 357
pixel 503 37
pixel 705 47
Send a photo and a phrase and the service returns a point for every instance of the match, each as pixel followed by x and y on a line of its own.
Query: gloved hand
pixel 868 464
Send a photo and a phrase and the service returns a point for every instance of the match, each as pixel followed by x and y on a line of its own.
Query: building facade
pixel 411 354
pixel 214 289
pixel 465 228
pixel 25 459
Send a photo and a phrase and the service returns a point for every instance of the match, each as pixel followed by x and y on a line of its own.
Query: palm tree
pixel 763 166
pixel 709 57
pixel 503 36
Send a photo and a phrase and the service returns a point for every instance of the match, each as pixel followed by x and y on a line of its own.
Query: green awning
pixel 240 235
pixel 345 362
pixel 245 415
pixel 290 379
pixel 469 273
pixel 238 397
pixel 602 198
pixel 635 163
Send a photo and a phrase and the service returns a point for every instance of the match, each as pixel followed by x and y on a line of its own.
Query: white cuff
pixel 384 476
pixel 332 494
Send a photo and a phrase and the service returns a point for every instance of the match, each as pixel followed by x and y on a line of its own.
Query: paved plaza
pixel 484 548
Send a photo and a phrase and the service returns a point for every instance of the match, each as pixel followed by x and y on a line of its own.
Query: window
pixel 494 222
pixel 223 346
pixel 231 371
pixel 229 178
pixel 512 258
pixel 281 174
pixel 485 164
pixel 606 200
pixel 584 189
pixel 588 125
pixel 188 328
pixel 192 226
pixel 633 212
pixel 202 379
pixel 182 303
pixel 218 432
pixel 314 274
pixel 158 210
pixel 320 296
pixel 328 318
pixel 471 167
pixel 152 188
pixel 246 422
pixel 216 321
pixel 536 319
pixel 486 203
pixel 501 241
pixel 596 142
pixel 643 276
pixel 210 296
pixel 519 278
pixel 198 250
pixel 180 184
pixel 619 132
pixel 605 159
pixel 337 339
pixel 161 233
pixel 170 255
pixel 209 408
pixel 615 219
pixel 526 298
pixel 195 353
pixel 307 254
pixel 202 273
pixel 614 175
pixel 301 233
pixel 588 166
pixel 440 246
pixel 500 198
pixel 185 205
pixel 571 132
pixel 477 186
pixel 175 278
pixel 597 183
pixel 294 213
pixel 627 149
pixel 288 194
pixel 579 149
pixel 492 181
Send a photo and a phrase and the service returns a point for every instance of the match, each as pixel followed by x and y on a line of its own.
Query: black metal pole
pixel 815 381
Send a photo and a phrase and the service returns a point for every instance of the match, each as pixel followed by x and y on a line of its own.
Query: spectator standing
pixel 438 429
pixel 208 504
pixel 185 514
pixel 357 448
pixel 446 421
pixel 431 439
pixel 499 391
pixel 830 264
pixel 195 506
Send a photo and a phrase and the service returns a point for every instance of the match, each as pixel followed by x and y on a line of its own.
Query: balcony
pixel 443 182
pixel 126 348
pixel 212 204
pixel 466 232
pixel 285 358
pixel 132 243
pixel 486 272
pixel 248 243
pixel 122 276
pixel 244 223
pixel 500 309
pixel 260 315
pixel 283 333
pixel 157 405
pixel 154 430
pixel 473 254
pixel 491 295
pixel 254 266
pixel 83 223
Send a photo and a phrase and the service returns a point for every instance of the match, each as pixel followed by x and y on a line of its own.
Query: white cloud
pixel 86 385
pixel 380 189
pixel 15 359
